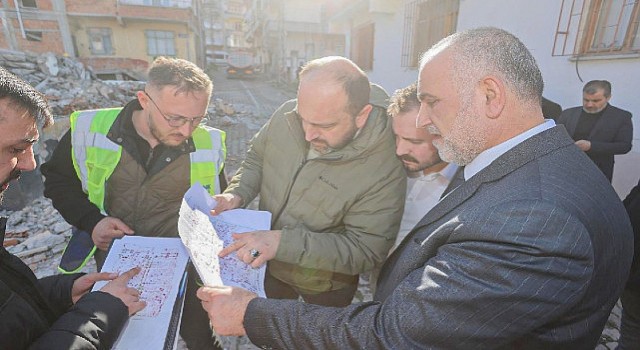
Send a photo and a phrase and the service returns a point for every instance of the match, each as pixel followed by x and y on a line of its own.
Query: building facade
pixel 116 38
pixel 574 41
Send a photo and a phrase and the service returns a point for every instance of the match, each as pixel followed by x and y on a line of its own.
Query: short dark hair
pixel 403 100
pixel 23 95
pixel 594 85
pixel 353 80
pixel 180 73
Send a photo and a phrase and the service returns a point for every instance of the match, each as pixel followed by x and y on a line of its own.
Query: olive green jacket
pixel 339 213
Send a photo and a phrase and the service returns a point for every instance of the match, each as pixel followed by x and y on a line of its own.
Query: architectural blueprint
pixel 161 282
pixel 205 236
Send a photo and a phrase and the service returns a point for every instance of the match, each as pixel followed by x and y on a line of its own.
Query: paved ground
pixel 255 100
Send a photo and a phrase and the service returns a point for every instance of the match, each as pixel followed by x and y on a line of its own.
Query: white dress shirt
pixel 485 158
pixel 423 192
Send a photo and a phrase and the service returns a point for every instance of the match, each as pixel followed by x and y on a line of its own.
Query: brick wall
pixel 50 42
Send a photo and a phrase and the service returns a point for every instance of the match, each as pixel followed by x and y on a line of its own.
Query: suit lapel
pixel 573 120
pixel 523 153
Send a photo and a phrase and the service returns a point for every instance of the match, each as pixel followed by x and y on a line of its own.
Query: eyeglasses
pixel 176 121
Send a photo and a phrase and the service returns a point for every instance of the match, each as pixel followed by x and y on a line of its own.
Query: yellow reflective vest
pixel 95 156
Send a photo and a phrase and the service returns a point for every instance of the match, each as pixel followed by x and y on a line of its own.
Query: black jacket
pixel 39 314
pixel 632 203
pixel 611 135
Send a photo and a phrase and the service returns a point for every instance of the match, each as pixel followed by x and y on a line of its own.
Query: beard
pixel 465 141
pixel 413 165
pixel 14 175
pixel 323 147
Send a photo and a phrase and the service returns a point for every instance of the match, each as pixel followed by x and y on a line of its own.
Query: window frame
pixel 579 31
pixel 440 19
pixel 363 37
pixel 34 2
pixel 33 35
pixel 102 33
pixel 151 34
pixel 594 41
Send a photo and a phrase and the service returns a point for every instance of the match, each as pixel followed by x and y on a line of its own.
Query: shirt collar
pixel 487 156
pixel 446 172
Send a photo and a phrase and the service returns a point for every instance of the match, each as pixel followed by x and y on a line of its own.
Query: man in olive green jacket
pixel 324 166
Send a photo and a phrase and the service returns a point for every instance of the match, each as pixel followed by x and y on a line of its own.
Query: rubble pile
pixel 67 83
pixel 70 86
pixel 38 235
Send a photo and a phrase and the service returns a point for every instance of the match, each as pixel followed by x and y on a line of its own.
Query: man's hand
pixel 264 243
pixel 129 296
pixel 584 145
pixel 226 201
pixel 226 307
pixel 107 229
pixel 83 284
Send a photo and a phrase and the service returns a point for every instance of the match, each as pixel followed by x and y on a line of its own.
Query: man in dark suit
pixel 598 128
pixel 630 322
pixel 520 255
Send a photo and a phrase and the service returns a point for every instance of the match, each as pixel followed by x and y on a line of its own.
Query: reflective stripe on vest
pixel 208 158
pixel 95 157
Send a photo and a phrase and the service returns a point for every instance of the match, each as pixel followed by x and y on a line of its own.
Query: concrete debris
pixel 70 86
pixel 224 108
pixel 67 83
pixel 36 234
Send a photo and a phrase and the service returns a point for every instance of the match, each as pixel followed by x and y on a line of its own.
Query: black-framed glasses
pixel 176 121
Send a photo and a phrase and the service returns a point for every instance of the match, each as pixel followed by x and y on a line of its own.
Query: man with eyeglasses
pixel 324 166
pixel 124 171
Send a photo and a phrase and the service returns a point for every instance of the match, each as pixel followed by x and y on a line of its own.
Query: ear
pixel 142 98
pixel 362 117
pixel 494 93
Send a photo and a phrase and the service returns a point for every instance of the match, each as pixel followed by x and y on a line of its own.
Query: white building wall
pixel 535 22
pixel 387 53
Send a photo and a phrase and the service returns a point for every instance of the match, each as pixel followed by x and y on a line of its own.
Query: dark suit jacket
pixel 520 256
pixel 632 203
pixel 611 135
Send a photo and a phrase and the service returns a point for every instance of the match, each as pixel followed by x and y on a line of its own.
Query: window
pixel 426 22
pixel 33 35
pixel 596 27
pixel 100 41
pixel 362 48
pixel 160 43
pixel 29 3
pixel 158 3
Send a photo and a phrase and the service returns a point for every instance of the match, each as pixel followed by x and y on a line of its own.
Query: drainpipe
pixel 15 3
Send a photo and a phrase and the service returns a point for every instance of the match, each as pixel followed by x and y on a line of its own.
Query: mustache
pixel 433 130
pixel 408 158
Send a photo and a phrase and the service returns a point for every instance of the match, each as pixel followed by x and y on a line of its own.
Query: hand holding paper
pixel 205 236
pixel 228 301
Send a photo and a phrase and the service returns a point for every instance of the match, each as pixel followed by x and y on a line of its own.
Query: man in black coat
pixel 55 312
pixel 630 326
pixel 598 128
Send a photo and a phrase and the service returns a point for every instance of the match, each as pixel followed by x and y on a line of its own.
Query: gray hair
pixel 179 73
pixel 595 85
pixel 491 51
